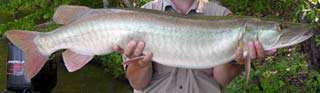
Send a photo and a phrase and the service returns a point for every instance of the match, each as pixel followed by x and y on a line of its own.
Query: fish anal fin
pixel 66 14
pixel 74 61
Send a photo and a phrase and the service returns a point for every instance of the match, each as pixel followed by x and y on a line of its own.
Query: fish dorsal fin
pixel 65 14
pixel 74 61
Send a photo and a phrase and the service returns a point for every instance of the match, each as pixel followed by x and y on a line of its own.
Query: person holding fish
pixel 146 76
pixel 172 53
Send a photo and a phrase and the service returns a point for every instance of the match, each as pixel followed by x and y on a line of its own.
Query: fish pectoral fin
pixel 66 14
pixel 74 61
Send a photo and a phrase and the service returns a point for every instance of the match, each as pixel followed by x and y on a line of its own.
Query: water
pixel 90 79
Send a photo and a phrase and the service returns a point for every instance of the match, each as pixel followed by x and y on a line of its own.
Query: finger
pixel 239 52
pixel 132 60
pixel 247 68
pixel 259 50
pixel 116 48
pixel 148 57
pixel 252 51
pixel 239 55
pixel 139 49
pixel 131 46
pixel 271 52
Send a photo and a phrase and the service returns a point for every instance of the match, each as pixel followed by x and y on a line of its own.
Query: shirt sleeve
pixel 147 5
pixel 226 12
pixel 214 9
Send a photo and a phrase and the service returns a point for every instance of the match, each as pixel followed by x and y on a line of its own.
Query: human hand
pixel 256 51
pixel 134 54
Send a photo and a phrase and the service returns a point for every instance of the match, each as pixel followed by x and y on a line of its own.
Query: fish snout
pixel 292 33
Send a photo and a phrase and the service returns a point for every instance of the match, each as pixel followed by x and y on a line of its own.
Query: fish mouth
pixel 292 34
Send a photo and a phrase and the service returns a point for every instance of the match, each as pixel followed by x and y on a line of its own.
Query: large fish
pixel 179 41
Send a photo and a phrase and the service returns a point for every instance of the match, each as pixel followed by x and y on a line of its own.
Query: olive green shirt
pixel 180 80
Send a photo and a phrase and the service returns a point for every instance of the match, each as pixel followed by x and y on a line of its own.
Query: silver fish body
pixel 178 41
pixel 175 41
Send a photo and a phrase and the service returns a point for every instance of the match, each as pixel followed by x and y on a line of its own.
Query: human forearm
pixel 139 77
pixel 225 73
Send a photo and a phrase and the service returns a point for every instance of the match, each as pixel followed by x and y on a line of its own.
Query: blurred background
pixel 294 69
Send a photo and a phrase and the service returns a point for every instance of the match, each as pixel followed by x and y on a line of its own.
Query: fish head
pixel 277 35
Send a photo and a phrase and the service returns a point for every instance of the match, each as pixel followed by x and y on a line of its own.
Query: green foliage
pixel 27 13
pixel 317 38
pixel 311 11
pixel 286 72
pixel 312 14
pixel 89 3
pixel 113 64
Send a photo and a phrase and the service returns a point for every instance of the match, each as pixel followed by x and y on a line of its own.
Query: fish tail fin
pixel 34 59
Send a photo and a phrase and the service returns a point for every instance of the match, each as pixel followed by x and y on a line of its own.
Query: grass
pixel 287 71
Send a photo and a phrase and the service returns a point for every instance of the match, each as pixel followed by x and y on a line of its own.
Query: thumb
pixel 116 48
pixel 239 56
pixel 148 57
